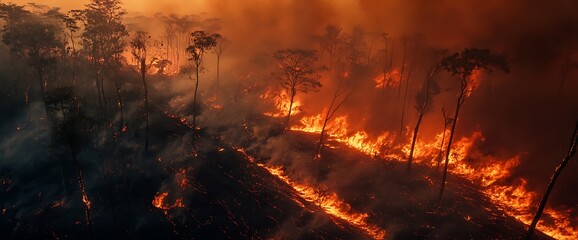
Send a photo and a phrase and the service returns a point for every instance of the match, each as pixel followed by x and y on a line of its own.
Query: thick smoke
pixel 529 111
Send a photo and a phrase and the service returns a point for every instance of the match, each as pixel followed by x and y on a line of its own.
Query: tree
pixel 36 36
pixel 333 107
pixel 447 121
pixel 332 42
pixel 424 97
pixel 218 51
pixel 407 82
pixel 139 45
pixel 569 155
pixel 104 41
pixel 463 65
pixel 201 43
pixel 297 73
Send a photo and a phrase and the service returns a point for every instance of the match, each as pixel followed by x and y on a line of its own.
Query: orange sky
pixel 145 6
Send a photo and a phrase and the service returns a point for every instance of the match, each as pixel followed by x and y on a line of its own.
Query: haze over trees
pixel 117 122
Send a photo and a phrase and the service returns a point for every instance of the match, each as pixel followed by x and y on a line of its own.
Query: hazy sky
pixel 145 6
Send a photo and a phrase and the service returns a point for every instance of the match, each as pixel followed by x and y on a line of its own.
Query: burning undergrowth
pixel 337 123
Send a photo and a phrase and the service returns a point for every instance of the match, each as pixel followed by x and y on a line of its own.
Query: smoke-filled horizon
pixel 527 113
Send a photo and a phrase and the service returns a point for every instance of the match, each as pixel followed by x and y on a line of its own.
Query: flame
pixel 388 80
pixel 473 81
pixel 488 172
pixel 281 102
pixel 337 130
pixel 328 201
pixel 159 202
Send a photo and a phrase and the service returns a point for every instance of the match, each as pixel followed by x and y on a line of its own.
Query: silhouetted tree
pixel 218 50
pixel 332 42
pixel 462 65
pixel 201 43
pixel 104 42
pixel 424 97
pixel 139 45
pixel 447 121
pixel 298 73
pixel 355 46
pixel 35 36
pixel 407 82
pixel 569 155
pixel 335 104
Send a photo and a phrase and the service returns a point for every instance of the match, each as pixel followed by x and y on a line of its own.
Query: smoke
pixel 529 111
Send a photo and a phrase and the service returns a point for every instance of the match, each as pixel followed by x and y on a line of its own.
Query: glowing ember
pixel 489 173
pixel 389 80
pixel 159 202
pixel 329 202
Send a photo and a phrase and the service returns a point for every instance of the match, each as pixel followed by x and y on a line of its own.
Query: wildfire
pixel 487 172
pixel 473 81
pixel 159 202
pixel 387 80
pixel 337 130
pixel 281 102
pixel 329 202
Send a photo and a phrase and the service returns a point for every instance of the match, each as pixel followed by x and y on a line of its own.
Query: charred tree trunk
pixel 460 101
pixel 446 123
pixel 292 99
pixel 218 70
pixel 330 112
pixel 195 102
pixel 143 70
pixel 81 185
pixel 569 155
pixel 407 81
pixel 422 109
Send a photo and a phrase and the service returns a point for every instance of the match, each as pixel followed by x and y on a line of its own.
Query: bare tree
pixel 332 42
pixel 423 99
pixel 407 83
pixel 447 121
pixel 201 43
pixel 298 73
pixel 140 46
pixel 218 50
pixel 569 155
pixel 462 65
pixel 335 104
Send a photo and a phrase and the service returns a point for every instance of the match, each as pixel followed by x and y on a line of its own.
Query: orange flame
pixel 329 202
pixel 387 80
pixel 159 202
pixel 514 199
pixel 281 102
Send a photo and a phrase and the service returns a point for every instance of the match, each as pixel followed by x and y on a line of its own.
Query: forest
pixel 288 120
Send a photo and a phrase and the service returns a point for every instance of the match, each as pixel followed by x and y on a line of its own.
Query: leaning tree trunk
pixel 570 154
pixel 415 131
pixel 422 109
pixel 449 147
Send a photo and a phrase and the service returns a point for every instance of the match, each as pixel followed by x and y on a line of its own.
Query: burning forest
pixel 288 119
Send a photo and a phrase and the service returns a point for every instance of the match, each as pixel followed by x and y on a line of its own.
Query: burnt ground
pixel 224 196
